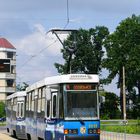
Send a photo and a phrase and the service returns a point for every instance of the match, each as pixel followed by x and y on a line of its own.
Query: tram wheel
pixel 14 134
pixel 8 130
pixel 28 137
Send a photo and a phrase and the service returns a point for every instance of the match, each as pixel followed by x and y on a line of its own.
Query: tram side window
pixel 29 101
pixel 8 107
pixel 32 100
pixel 15 101
pixel 14 107
pixel 43 99
pixel 54 105
pixel 39 100
pixel 61 113
pixel 8 104
pixel 22 110
pixel 14 104
pixel 18 110
pixel 48 109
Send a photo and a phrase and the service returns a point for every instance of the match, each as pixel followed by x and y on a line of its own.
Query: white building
pixel 7 69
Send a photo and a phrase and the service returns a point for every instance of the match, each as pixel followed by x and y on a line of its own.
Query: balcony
pixel 7 89
pixel 13 62
pixel 7 76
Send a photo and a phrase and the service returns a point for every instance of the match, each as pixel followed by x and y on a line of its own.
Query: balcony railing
pixel 7 76
pixel 7 89
pixel 13 62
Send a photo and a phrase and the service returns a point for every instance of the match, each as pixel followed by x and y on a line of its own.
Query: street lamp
pixel 70 49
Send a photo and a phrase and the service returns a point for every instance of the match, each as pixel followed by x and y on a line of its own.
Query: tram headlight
pixel 70 131
pixel 93 131
pixel 66 131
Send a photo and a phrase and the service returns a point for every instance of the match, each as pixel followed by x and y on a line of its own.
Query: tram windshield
pixel 80 104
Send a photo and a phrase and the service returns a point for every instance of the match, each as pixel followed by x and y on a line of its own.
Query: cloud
pixel 19 23
pixel 37 52
pixel 40 42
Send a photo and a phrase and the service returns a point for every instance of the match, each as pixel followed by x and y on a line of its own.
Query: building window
pixel 13 69
pixel 10 82
pixel 10 55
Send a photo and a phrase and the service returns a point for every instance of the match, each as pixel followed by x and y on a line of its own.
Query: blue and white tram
pixel 64 107
pixel 15 114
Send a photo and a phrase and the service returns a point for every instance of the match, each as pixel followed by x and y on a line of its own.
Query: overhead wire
pixel 33 56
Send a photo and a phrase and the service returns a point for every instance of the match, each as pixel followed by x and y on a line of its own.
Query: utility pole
pixel 124 103
pixel 124 95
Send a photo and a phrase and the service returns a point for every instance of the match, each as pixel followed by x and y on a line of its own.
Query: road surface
pixel 4 135
pixel 114 136
pixel 118 136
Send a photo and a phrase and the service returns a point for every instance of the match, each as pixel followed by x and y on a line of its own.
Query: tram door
pixel 54 113
pixel 51 115
pixel 54 105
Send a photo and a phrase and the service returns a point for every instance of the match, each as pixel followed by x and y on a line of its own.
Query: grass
pixel 132 127
pixel 3 123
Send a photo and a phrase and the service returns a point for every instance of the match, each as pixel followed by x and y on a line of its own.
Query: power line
pixel 67 11
pixel 33 56
pixel 65 26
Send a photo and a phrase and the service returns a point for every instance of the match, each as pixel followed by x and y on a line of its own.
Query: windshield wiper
pixel 78 118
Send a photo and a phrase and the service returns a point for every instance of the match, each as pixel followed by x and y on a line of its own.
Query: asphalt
pixel 5 136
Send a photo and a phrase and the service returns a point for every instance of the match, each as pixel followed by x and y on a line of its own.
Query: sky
pixel 25 23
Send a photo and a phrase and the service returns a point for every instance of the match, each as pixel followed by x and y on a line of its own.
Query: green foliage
pixel 133 127
pixel 87 56
pixel 2 109
pixel 22 86
pixel 133 112
pixel 123 49
pixel 109 109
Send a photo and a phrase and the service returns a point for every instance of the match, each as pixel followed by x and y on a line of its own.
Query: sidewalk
pixel 5 137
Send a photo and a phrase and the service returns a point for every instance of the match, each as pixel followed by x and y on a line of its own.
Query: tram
pixel 64 107
pixel 15 114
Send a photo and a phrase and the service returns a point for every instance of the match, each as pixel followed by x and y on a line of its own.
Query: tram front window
pixel 80 104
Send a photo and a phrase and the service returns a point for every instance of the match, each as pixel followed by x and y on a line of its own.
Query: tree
pixel 2 109
pixel 87 56
pixel 22 86
pixel 133 105
pixel 109 109
pixel 123 49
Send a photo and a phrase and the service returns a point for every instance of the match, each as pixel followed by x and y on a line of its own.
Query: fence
pixel 113 130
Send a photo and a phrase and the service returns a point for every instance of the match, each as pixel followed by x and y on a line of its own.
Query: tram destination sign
pixel 80 87
pixel 4 65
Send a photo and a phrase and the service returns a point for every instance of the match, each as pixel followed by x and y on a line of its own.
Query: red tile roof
pixel 6 44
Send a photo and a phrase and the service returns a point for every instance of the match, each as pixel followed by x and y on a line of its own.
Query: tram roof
pixel 72 78
pixel 69 78
pixel 16 94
